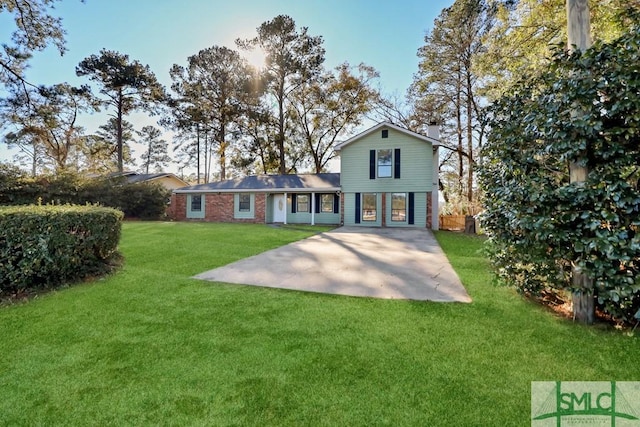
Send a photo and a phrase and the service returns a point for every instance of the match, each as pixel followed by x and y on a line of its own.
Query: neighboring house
pixel 389 179
pixel 167 180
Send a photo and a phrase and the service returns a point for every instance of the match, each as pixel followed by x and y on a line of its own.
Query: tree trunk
pixel 34 161
pixel 222 152
pixel 263 158
pixel 148 157
pixel 283 167
pixel 207 156
pixel 198 153
pixel 578 29
pixel 459 133
pixel 119 141
pixel 280 142
pixel 583 300
pixel 469 138
pixel 317 163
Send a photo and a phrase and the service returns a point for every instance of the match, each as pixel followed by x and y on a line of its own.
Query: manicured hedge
pixel 137 200
pixel 46 246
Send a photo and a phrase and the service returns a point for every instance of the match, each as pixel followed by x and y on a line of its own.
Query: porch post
pixel 285 208
pixel 313 208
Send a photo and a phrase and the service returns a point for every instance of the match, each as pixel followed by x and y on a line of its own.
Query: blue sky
pixel 160 33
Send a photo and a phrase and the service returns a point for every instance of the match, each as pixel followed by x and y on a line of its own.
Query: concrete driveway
pixel 396 263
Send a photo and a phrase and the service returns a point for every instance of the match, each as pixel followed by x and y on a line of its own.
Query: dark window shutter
pixel 357 208
pixel 294 202
pixel 412 202
pixel 336 203
pixel 317 197
pixel 372 164
pixel 396 163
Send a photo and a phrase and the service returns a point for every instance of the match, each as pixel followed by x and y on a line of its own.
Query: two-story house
pixel 388 178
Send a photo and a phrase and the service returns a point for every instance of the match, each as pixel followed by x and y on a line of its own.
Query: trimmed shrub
pixel 46 246
pixel 137 200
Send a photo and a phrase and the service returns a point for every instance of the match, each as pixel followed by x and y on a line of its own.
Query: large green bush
pixel 45 246
pixel 540 225
pixel 136 200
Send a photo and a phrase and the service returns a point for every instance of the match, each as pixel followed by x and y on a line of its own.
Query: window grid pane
pixel 399 207
pixel 244 203
pixel 369 207
pixel 302 203
pixel 196 203
pixel 385 158
pixel 326 203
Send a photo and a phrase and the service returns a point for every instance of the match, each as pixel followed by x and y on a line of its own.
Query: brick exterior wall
pixel 384 209
pixel 177 210
pixel 218 208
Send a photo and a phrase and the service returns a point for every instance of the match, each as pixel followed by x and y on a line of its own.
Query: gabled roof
pixel 133 177
pixel 328 182
pixel 140 177
pixel 435 142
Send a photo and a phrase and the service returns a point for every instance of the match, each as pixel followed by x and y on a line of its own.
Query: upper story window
pixel 385 133
pixel 385 163
pixel 244 202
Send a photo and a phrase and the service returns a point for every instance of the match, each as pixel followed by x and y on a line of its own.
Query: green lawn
pixel 150 346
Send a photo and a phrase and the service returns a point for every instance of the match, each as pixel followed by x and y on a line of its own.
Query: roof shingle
pixel 260 183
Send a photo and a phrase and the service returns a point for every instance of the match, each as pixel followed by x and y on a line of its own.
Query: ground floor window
pixel 399 207
pixel 326 203
pixel 302 203
pixel 196 203
pixel 369 207
pixel 244 203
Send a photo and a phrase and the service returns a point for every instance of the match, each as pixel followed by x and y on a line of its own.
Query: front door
pixel 279 208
